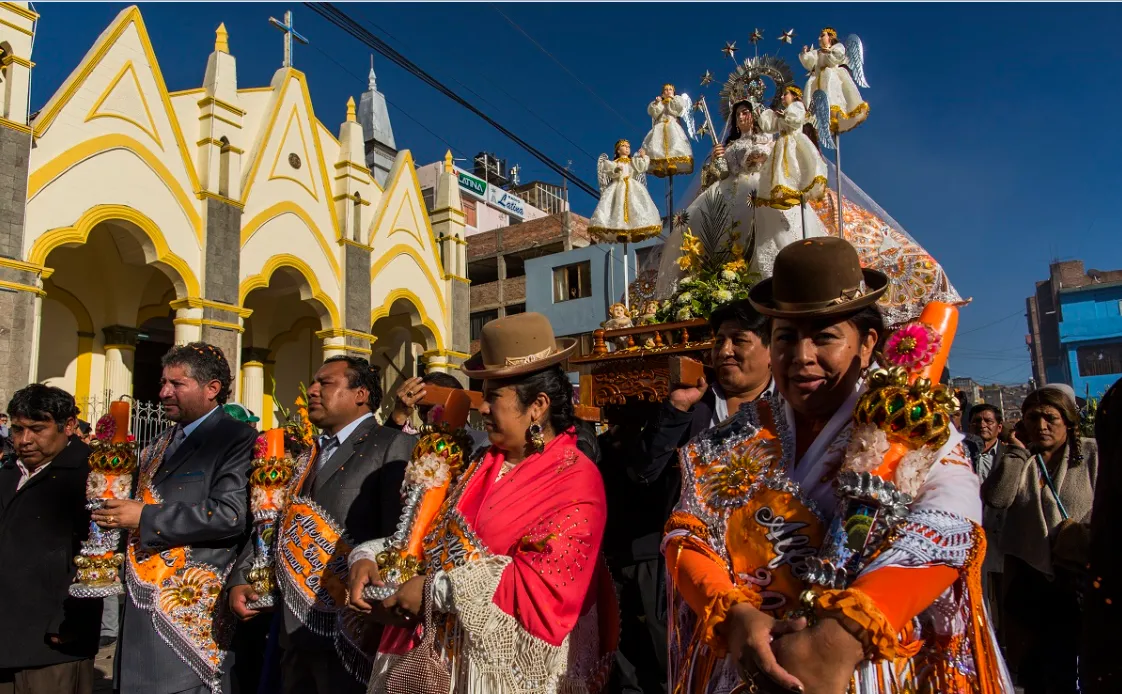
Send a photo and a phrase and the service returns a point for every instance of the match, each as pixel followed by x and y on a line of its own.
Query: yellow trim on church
pixel 259 220
pixel 95 110
pixel 405 249
pixel 384 310
pixel 280 260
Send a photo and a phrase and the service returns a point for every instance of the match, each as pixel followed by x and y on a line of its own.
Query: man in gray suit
pixel 186 526
pixel 346 490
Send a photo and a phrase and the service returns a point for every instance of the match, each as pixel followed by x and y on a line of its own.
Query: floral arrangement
pixel 715 260
pixel 300 433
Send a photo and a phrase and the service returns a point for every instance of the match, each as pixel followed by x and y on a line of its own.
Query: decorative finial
pixel 448 162
pixel 371 81
pixel 787 36
pixel 221 39
pixel 351 109
pixel 756 36
pixel 730 49
pixel 707 79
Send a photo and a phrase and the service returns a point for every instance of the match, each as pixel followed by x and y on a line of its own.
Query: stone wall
pixel 17 308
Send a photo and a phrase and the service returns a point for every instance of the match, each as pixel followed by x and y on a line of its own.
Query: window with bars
pixel 1099 360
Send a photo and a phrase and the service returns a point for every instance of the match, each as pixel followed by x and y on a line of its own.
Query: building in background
pixel 487 204
pixel 1075 328
pixel 380 147
pixel 550 198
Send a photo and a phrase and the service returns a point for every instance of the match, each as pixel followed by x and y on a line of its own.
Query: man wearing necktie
pixel 349 487
pixel 187 524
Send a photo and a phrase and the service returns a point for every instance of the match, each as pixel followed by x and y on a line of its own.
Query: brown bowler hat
pixel 517 345
pixel 817 277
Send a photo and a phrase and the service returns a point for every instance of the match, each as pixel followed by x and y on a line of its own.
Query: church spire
pixel 373 115
pixel 371 80
pixel 222 39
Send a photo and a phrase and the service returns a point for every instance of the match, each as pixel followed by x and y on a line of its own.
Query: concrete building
pixel 1075 328
pixel 132 218
pixel 487 206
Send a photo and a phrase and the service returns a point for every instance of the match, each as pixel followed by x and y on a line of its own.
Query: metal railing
pixel 147 418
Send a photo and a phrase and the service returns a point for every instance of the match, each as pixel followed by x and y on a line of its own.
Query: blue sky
pixel 991 137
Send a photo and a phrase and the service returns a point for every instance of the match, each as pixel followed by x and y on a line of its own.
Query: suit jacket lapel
pixel 341 455
pixel 9 478
pixel 189 446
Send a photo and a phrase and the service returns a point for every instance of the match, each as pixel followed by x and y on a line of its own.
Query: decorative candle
pixel 119 411
pixel 274 443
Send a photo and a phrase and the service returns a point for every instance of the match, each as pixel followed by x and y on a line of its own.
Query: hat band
pixel 529 358
pixel 846 296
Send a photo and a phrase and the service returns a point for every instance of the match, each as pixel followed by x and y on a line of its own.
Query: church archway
pixel 281 346
pixel 402 334
pixel 107 299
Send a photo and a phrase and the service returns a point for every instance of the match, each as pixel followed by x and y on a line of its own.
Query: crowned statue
pixel 667 143
pixel 837 70
pixel 626 210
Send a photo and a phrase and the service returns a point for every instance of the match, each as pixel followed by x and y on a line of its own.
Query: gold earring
pixel 535 436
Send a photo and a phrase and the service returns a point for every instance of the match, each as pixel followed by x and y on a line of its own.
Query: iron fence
pixel 147 418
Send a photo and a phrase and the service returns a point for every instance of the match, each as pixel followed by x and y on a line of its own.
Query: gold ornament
pixel 916 415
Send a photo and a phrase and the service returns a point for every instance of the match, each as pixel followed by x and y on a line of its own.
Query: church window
pixel 469 213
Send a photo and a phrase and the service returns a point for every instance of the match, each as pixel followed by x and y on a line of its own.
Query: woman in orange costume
pixel 758 496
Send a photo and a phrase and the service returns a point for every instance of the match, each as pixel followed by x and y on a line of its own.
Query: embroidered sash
pixel 183 596
pixel 312 550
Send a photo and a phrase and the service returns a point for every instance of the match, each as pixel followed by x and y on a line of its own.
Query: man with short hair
pixel 986 425
pixel 50 639
pixel 4 429
pixel 640 502
pixel 406 405
pixel 347 486
pixel 189 520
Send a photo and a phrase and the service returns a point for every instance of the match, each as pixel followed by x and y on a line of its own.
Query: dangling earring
pixel 535 436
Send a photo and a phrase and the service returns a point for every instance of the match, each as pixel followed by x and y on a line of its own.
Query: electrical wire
pixel 1018 312
pixel 341 20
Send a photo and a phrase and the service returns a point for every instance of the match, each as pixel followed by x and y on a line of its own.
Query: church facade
pixel 133 218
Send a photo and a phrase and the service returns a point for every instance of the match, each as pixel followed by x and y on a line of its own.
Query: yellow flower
pixel 685 263
pixel 738 249
pixel 690 243
pixel 737 265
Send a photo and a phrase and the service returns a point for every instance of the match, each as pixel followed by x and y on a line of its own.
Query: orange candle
pixel 274 443
pixel 119 410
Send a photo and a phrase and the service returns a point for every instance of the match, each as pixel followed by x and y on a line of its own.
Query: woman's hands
pixel 400 609
pixel 749 634
pixel 822 657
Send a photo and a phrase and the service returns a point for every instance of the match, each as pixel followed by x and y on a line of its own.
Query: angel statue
pixel 625 211
pixel 795 172
pixel 837 69
pixel 667 142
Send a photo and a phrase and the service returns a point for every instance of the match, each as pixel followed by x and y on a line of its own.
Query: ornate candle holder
pixel 112 464
pixel 438 458
pixel 269 476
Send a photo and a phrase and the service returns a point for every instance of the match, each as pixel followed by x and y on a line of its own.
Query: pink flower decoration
pixel 260 447
pixel 105 428
pixel 912 347
pixel 436 414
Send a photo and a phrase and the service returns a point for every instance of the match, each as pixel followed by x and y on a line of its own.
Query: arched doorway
pixel 281 346
pixel 402 335
pixel 107 302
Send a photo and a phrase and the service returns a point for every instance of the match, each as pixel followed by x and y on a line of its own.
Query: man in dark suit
pixel 349 485
pixel 642 494
pixel 986 450
pixel 187 525
pixel 50 639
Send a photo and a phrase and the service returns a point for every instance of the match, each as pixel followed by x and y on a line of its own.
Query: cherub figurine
pixel 626 210
pixel 795 170
pixel 647 315
pixel 667 142
pixel 619 317
pixel 837 69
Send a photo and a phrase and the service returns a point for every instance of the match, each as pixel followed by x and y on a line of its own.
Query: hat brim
pixel 762 299
pixel 475 368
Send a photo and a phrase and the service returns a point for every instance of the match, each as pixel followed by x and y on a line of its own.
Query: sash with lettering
pixel 312 550
pixel 183 596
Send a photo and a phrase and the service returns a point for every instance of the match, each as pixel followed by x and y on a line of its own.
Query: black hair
pixel 587 442
pixel 734 129
pixel 439 378
pixel 205 362
pixel 84 427
pixel 745 316
pixel 554 382
pixel 986 407
pixel 42 403
pixel 362 374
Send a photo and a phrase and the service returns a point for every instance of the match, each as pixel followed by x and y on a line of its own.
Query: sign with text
pixel 507 202
pixel 473 185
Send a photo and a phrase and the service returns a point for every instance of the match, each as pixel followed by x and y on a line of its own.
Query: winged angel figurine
pixel 668 142
pixel 626 211
pixel 836 70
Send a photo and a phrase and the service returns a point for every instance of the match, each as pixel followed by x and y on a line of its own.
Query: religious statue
pixel 625 211
pixel 619 318
pixel 837 69
pixel 795 170
pixel 667 142
pixel 647 316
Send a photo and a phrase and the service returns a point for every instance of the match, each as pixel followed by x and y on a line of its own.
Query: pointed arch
pixel 259 281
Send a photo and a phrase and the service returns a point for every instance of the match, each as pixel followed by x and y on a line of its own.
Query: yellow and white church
pixel 133 218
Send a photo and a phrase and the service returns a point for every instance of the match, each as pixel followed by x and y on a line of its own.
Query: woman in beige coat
pixel 1047 490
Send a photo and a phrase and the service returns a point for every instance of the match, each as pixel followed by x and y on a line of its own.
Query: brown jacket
pixel 1032 529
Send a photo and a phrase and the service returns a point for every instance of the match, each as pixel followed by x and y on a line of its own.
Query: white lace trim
pixel 929 537
pixel 367 550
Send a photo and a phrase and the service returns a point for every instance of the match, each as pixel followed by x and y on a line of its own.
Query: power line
pixel 1018 312
pixel 340 19
pixel 562 66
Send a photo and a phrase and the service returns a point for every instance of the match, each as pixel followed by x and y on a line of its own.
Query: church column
pixel 253 379
pixel 334 344
pixel 448 224
pixel 20 282
pixel 188 323
pixel 120 352
pixel 352 182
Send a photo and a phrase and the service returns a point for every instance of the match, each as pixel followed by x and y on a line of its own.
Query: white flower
pixel 261 499
pixel 913 469
pixel 428 472
pixel 723 295
pixel 867 446
pixel 684 313
pixel 684 298
pixel 121 487
pixel 728 275
pixel 277 497
pixel 96 485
